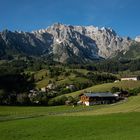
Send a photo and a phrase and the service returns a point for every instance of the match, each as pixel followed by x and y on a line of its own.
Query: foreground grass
pixel 106 127
pixel 15 113
pixel 67 123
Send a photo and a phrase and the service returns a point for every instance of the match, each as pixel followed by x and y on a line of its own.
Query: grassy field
pixel 118 121
pixel 108 122
pixel 106 127
pixel 14 113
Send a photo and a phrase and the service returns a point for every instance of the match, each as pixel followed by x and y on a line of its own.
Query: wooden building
pixel 89 99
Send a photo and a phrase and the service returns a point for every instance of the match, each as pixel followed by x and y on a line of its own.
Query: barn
pixel 89 99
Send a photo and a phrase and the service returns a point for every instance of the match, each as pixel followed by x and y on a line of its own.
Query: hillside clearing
pixel 107 87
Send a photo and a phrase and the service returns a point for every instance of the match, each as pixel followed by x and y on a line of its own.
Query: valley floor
pixel 108 122
pixel 106 127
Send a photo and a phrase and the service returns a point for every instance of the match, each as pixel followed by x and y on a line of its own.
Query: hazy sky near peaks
pixel 27 15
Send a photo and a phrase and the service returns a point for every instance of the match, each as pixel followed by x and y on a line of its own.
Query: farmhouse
pixel 98 98
pixel 129 78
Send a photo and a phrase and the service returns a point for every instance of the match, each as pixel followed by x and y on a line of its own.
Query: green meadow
pixel 105 127
pixel 119 121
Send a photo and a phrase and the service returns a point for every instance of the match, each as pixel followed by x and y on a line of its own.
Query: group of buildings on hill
pixel 91 98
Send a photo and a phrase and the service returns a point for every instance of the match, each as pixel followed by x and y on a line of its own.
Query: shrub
pixel 134 91
pixel 23 99
pixel 61 100
pixel 71 99
pixel 2 96
pixel 52 102
pixel 115 89
pixel 57 101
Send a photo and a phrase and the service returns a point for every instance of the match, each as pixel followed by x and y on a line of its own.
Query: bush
pixel 61 100
pixel 2 96
pixel 23 99
pixel 64 91
pixel 52 102
pixel 115 89
pixel 39 98
pixel 57 101
pixel 134 92
pixel 71 99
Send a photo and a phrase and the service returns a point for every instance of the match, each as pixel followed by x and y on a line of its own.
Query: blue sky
pixel 121 15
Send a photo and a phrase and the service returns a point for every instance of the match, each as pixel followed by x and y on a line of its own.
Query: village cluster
pixel 86 98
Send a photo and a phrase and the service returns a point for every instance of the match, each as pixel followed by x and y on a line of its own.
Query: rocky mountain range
pixel 137 39
pixel 65 43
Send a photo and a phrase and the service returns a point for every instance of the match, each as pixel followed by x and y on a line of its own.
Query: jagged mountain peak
pixel 137 39
pixel 66 42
